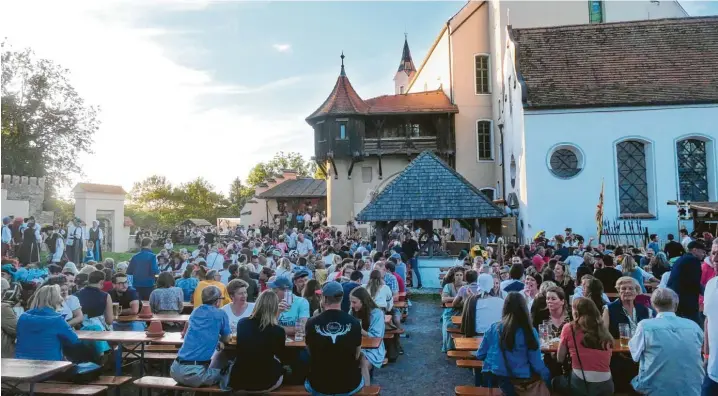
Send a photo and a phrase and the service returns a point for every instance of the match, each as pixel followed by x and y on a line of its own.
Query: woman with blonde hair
pixel 624 310
pixel 260 343
pixel 284 268
pixel 42 332
pixel 629 267
pixel 380 292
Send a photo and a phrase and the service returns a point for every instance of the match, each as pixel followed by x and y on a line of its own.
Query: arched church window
pixel 632 177
pixel 692 169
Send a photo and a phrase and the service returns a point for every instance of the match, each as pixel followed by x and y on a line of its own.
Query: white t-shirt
pixel 365 278
pixel 233 319
pixel 384 297
pixel 70 304
pixel 488 312
pixel 329 259
pixel 710 310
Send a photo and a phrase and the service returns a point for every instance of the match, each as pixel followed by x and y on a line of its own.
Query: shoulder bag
pixel 575 345
pixel 533 386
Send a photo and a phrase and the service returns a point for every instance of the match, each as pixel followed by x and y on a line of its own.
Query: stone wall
pixel 30 189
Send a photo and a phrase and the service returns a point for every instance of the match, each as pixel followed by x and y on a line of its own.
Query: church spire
pixel 407 64
pixel 342 73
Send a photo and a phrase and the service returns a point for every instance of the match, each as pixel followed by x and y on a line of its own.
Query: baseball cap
pixel 332 289
pixel 300 274
pixel 697 245
pixel 280 283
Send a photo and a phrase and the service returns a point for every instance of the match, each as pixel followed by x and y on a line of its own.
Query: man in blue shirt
pixel 654 244
pixel 685 280
pixel 292 308
pixel 667 344
pixel 208 326
pixel 143 268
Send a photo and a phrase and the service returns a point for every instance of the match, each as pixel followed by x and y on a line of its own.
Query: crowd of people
pixel 258 287
pixel 318 284
pixel 25 239
pixel 550 291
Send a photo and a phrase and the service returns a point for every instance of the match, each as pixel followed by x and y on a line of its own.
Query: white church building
pixel 633 105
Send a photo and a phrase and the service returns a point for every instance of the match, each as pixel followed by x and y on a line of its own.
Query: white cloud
pixel 282 47
pixel 152 113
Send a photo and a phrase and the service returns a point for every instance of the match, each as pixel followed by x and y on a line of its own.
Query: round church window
pixel 565 162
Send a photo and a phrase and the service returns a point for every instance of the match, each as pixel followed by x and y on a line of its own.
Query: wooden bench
pixel 153 356
pixel 298 390
pixel 163 383
pixel 470 364
pixel 103 380
pixel 454 330
pixel 161 348
pixel 461 354
pixel 476 391
pixel 50 388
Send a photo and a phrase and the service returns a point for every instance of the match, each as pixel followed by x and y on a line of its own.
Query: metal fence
pixel 624 232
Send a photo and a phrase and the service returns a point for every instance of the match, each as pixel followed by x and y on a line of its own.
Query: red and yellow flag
pixel 599 212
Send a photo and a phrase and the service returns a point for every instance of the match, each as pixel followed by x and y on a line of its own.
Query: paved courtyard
pixel 423 369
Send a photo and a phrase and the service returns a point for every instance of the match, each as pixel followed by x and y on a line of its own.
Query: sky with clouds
pixel 200 88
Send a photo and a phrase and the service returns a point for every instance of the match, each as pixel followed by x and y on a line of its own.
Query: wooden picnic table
pixel 186 306
pixel 175 338
pixel 456 320
pixel 472 344
pixel 18 371
pixel 160 317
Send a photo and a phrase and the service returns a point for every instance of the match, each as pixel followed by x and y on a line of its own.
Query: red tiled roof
pixel 420 102
pixel 342 101
pixel 656 62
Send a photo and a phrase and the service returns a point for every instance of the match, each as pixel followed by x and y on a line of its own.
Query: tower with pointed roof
pixel 406 70
pixel 358 143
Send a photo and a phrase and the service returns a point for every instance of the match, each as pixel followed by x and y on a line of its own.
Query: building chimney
pixel 289 174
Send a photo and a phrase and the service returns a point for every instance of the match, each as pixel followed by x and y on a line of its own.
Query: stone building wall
pixel 30 189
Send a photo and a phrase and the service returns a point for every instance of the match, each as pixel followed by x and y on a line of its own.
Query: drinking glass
pixel 299 329
pixel 543 334
pixel 624 331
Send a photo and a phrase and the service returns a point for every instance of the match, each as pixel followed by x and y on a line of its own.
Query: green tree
pixel 239 194
pixel 281 160
pixel 64 209
pixel 46 125
pixel 156 196
pixel 198 200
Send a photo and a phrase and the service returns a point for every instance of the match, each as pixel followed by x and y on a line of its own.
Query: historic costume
pixel 78 253
pixel 30 248
pixel 96 236
pixel 56 246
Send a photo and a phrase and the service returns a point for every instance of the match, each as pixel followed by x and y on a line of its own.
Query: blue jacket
pixel 522 361
pixel 143 268
pixel 685 280
pixel 41 335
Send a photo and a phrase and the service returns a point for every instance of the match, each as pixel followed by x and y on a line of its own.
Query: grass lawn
pixel 126 256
